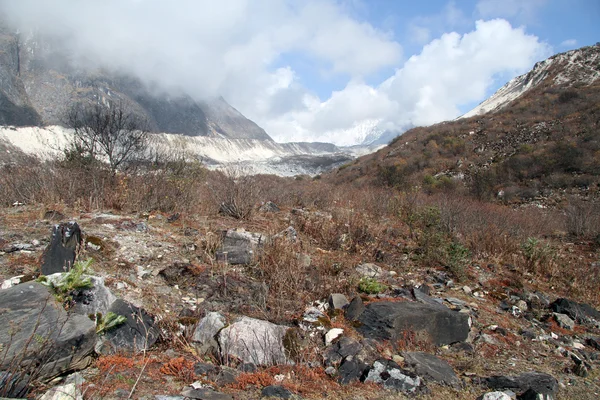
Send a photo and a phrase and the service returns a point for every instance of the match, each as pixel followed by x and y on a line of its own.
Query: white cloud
pixel 450 71
pixel 569 43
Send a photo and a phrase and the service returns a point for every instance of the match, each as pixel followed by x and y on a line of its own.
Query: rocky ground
pixel 208 316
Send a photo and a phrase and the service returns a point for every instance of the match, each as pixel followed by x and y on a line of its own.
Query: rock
pixel 389 321
pixel 201 368
pixel 205 394
pixel 226 376
pixel 337 301
pixel 564 321
pixel 239 246
pixel 579 312
pixel 288 233
pixel 167 397
pixel 421 297
pixel 522 305
pixel 276 391
pixel 351 370
pixel 432 368
pixel 96 299
pixel 467 290
pixel 43 331
pixel 370 270
pixel 332 334
pixel 354 309
pixel 593 343
pixel 253 341
pixel 206 331
pixel 494 396
pixel 10 282
pixel 269 206
pixel 537 383
pixel 137 334
pixel 60 254
pixel 69 391
pixel 391 376
pixel 15 385
pixel 345 347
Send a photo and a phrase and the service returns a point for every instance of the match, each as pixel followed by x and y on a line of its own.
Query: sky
pixel 319 70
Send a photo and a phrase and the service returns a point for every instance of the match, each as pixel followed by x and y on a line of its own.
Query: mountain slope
pixel 39 83
pixel 542 144
pixel 575 67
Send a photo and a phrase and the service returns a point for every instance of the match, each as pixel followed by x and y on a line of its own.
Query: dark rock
pixel 177 273
pixel 531 394
pixel 391 376
pixel 340 350
pixel 42 332
pixel 538 382
pixel 239 246
pixel 463 346
pixel 205 394
pixel 276 391
pixel 354 309
pixel 60 254
pixel 528 334
pixel 201 368
pixel 137 334
pixel 174 217
pixel 15 385
pixel 389 321
pixel 227 376
pixel 351 370
pixel 424 298
pixel 191 232
pixel 432 368
pixel 580 312
pixel 593 343
pixel 248 367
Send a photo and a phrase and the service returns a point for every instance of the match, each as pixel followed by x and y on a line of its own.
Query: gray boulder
pixel 253 341
pixel 390 320
pixel 528 383
pixel 494 396
pixel 337 301
pixel 137 334
pixel 239 246
pixel 60 254
pixel 34 328
pixel 206 330
pixel 579 312
pixel 370 270
pixel 204 394
pixel 86 301
pixel 431 368
pixel 355 309
pixel 564 321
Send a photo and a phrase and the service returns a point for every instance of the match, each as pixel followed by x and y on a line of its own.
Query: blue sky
pixel 319 70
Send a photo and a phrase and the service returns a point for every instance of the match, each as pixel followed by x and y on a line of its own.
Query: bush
pixel 371 286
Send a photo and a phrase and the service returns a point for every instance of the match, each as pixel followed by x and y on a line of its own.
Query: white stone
pixel 333 334
pixel 496 396
pixel 63 392
pixel 253 341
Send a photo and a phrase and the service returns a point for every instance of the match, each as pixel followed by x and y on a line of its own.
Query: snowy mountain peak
pixel 581 66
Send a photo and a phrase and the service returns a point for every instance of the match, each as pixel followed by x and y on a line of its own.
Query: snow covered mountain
pixel 575 67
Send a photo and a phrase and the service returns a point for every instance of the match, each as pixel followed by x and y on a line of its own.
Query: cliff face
pixel 39 83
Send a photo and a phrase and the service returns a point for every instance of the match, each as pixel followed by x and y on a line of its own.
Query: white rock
pixel 496 396
pixel 467 289
pixel 333 334
pixel 10 282
pixel 63 392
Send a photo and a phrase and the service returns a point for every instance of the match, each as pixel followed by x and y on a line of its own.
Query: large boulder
pixel 60 254
pixel 253 341
pixel 532 383
pixel 239 246
pixel 391 376
pixel 579 312
pixel 137 334
pixel 392 320
pixel 35 329
pixel 431 368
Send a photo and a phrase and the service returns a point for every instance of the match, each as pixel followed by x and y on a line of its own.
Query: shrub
pixel 371 286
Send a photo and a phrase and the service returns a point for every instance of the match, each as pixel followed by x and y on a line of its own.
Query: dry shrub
pixel 180 368
pixel 236 193
pixel 258 379
pixel 583 218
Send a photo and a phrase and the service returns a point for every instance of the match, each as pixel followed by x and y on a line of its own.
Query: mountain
pixel 536 139
pixel 575 67
pixel 39 82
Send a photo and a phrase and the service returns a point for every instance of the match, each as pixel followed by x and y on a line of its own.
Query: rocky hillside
pixel 536 139
pixel 40 83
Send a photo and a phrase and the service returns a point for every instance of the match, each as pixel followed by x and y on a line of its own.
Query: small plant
pixel 371 286
pixel 536 253
pixel 69 282
pixel 457 258
pixel 104 323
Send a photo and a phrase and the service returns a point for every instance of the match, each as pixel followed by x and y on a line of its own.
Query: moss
pixel 371 286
